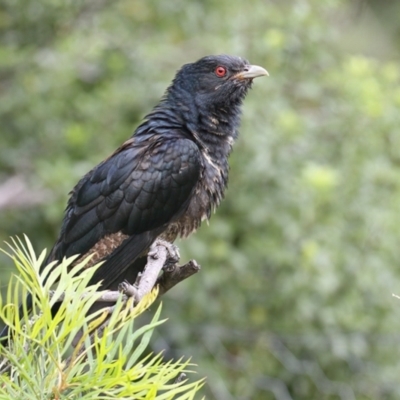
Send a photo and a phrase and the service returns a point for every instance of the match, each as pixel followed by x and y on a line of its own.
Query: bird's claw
pixel 173 256
pixel 128 289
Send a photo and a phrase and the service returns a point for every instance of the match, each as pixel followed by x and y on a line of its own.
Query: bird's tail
pixel 124 263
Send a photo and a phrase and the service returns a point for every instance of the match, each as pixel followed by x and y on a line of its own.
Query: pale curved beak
pixel 252 71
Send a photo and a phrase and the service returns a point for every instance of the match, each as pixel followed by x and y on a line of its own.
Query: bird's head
pixel 218 81
pixel 205 98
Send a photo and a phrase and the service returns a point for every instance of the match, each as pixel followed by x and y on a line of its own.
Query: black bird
pixel 165 179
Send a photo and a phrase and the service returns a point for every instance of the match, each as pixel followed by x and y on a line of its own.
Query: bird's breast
pixel 205 198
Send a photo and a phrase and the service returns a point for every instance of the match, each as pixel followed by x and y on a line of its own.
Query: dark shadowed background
pixel 294 300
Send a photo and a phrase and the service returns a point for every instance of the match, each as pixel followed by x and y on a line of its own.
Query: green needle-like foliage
pixel 41 363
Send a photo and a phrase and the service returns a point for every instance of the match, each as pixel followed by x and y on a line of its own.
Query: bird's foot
pixel 173 255
pixel 129 290
pixel 162 256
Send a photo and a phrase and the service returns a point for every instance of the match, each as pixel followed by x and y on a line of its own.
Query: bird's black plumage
pixel 166 178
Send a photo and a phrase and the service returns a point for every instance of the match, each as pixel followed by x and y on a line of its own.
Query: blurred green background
pixel 294 300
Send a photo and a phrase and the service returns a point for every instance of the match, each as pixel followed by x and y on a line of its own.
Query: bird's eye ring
pixel 220 71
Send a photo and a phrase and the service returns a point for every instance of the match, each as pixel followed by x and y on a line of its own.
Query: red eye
pixel 220 71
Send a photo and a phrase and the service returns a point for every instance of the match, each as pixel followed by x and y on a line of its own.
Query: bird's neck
pixel 213 127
